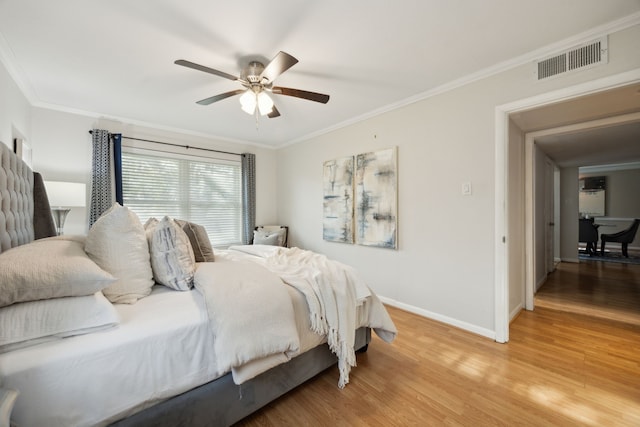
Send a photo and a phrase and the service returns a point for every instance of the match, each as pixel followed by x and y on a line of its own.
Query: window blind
pixel 202 190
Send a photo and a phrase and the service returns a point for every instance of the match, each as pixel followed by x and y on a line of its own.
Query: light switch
pixel 466 188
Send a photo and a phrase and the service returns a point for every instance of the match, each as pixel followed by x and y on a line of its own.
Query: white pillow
pixel 49 268
pixel 30 323
pixel 172 259
pixel 118 244
pixel 261 237
pixel 274 237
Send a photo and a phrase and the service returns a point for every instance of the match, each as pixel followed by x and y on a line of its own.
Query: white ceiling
pixel 115 58
pixel 595 141
pixel 602 146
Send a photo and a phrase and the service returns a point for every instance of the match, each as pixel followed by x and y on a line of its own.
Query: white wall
pixel 15 111
pixel 444 267
pixel 62 152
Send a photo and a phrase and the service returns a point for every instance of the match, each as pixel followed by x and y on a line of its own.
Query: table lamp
pixel 62 197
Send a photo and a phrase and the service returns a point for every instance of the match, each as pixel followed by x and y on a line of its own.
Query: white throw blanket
pixel 250 313
pixel 333 292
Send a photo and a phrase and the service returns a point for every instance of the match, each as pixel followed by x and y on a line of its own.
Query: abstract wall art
pixel 338 200
pixel 376 200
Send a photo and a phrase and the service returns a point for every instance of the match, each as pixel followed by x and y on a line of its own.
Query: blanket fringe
pixel 345 353
pixel 318 323
pixel 345 363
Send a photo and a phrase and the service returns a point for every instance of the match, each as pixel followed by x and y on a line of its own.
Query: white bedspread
pixel 333 292
pixel 250 313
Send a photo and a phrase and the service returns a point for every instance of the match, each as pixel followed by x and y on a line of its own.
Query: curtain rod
pixel 188 147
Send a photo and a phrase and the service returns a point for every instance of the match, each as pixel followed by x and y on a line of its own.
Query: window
pixel 199 189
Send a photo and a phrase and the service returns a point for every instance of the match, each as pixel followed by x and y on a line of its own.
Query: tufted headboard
pixel 25 213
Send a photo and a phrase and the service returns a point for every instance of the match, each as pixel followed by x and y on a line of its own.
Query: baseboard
pixel 440 318
pixel 515 312
pixel 540 283
pixel 574 260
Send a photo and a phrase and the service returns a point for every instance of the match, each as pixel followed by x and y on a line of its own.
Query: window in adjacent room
pixel 199 189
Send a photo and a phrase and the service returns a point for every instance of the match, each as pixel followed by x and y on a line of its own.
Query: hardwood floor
pixel 600 289
pixel 561 367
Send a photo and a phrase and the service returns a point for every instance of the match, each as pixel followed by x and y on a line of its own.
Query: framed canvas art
pixel 376 205
pixel 337 225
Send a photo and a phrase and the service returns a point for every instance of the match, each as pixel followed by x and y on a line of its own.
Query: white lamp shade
pixel 248 102
pixel 265 103
pixel 66 194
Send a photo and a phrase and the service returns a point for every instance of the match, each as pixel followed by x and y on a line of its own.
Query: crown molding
pixel 8 59
pixel 609 168
pixel 530 57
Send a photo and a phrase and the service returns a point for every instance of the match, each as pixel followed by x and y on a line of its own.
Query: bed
pixel 205 355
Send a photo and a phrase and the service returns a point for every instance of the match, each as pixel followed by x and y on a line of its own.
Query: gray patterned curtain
pixel 102 181
pixel 248 197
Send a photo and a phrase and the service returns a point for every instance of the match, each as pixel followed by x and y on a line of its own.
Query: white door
pixel 549 215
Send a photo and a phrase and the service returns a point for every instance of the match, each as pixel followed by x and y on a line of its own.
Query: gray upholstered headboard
pixel 25 213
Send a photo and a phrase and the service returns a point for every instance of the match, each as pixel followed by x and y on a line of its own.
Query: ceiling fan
pixel 257 80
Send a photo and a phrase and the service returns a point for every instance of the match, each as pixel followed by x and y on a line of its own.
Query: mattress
pixel 161 348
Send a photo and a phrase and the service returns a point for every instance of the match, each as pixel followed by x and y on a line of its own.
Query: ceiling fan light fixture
pixel 265 103
pixel 257 79
pixel 248 102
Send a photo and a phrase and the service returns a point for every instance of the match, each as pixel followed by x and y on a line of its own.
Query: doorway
pixel 549 104
pixel 540 191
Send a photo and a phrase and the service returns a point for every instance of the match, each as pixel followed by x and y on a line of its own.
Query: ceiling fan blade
pixel 220 97
pixel 199 67
pixel 311 96
pixel 274 113
pixel 278 65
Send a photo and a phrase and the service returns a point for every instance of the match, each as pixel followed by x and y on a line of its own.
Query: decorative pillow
pixel 49 268
pixel 172 259
pixel 118 244
pixel 262 237
pixel 31 323
pixel 200 243
pixel 265 236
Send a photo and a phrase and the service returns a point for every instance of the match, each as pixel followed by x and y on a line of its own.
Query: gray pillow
pixel 200 243
pixel 261 237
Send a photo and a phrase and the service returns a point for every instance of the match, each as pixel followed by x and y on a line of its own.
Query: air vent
pixel 578 58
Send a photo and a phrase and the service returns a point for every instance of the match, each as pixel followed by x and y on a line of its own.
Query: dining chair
pixel 588 233
pixel 624 237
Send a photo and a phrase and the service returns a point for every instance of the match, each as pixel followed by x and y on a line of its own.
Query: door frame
pixel 501 238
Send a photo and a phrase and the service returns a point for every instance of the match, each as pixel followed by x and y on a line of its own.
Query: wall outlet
pixel 466 188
